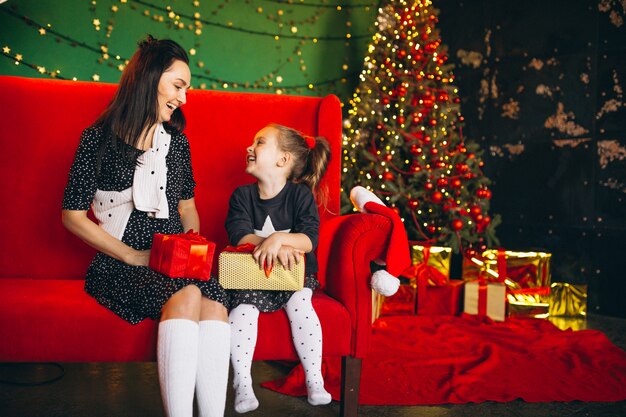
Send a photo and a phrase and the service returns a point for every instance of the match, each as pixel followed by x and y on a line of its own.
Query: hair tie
pixel 310 141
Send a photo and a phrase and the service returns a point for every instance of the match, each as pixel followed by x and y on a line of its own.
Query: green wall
pixel 236 46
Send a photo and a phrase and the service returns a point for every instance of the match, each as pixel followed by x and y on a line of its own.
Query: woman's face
pixel 172 90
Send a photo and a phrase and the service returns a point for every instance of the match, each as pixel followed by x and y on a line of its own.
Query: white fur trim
pixel 384 283
pixel 360 196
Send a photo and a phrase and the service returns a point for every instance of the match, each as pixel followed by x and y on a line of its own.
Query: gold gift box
pixel 568 300
pixel 528 304
pixel 487 267
pixel 239 271
pixel 439 257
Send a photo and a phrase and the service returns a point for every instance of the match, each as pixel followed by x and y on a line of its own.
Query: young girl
pixel 133 168
pixel 279 215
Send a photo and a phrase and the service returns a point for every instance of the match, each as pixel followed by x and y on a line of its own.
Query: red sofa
pixel 44 313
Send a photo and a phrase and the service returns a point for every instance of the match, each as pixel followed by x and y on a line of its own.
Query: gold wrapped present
pixel 529 302
pixel 431 263
pixel 239 271
pixel 523 269
pixel 568 300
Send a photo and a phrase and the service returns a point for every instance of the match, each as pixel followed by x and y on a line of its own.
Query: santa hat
pixel 398 257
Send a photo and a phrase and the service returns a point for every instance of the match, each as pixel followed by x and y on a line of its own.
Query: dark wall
pixel 541 84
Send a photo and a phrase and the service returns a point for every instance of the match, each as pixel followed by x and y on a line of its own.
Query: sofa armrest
pixel 346 248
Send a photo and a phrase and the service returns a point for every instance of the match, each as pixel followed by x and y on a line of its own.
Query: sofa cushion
pixel 58 321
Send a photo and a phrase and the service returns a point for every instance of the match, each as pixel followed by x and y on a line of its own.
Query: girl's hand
pixel 266 253
pixel 288 256
pixel 138 258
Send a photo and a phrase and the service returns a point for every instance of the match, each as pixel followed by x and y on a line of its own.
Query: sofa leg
pixel 350 382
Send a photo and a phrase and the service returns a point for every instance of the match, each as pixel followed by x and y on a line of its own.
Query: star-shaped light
pixel 95 77
pixel 19 57
pixel 42 31
pixel 6 50
pixel 268 228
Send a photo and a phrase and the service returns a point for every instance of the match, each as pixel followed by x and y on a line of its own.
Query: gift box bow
pixel 249 248
pixel 428 274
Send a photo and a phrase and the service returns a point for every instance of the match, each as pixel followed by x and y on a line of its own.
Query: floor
pixel 131 389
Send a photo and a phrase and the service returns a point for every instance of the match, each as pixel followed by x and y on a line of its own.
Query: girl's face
pixel 264 156
pixel 172 90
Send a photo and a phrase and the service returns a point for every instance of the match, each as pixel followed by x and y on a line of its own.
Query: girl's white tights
pixel 307 338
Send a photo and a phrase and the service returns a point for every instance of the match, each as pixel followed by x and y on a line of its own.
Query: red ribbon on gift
pixel 482 298
pixel 245 248
pixel 249 248
pixel 428 274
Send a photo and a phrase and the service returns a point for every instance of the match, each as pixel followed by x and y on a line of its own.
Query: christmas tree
pixel 403 136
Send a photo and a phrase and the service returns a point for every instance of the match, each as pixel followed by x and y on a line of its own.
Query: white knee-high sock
pixel 244 326
pixel 213 361
pixel 307 338
pixel 177 357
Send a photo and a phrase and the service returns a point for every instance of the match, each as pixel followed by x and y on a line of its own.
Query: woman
pixel 133 167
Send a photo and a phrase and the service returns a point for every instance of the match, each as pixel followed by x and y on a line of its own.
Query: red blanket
pixel 437 360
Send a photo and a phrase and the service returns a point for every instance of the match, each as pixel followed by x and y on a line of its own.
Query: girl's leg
pixel 307 338
pixel 244 325
pixel 213 359
pixel 177 351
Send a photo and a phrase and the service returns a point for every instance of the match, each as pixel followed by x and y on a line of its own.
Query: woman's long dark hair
pixel 134 107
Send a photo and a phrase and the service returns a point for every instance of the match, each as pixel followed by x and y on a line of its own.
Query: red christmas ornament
pixel 385 100
pixel 401 53
pixel 455 183
pixel 457 224
pixel 475 211
pixel 442 182
pixel 437 197
pixel 470 252
pixel 388 176
pixel 429 186
pixel 415 168
pixel 443 96
pixel 488 194
pixel 462 168
pixel 401 120
pixel 413 204
pixel 434 151
pixel 479 218
pixel 433 122
pixel 379 126
pixel 431 229
pixel 388 157
pixel 427 139
pixel 415 150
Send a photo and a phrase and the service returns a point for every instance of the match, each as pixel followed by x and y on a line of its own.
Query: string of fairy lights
pixel 289 33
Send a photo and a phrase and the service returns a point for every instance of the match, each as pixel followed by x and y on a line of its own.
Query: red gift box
pixel 439 300
pixel 184 255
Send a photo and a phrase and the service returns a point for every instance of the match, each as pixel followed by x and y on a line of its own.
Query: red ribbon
pixel 428 274
pixel 246 248
pixel 482 298
pixel 310 141
pixel 249 248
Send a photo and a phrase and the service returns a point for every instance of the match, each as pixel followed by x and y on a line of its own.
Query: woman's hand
pixel 288 256
pixel 138 258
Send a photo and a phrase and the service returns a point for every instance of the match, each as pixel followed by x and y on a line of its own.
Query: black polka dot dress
pixel 132 292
